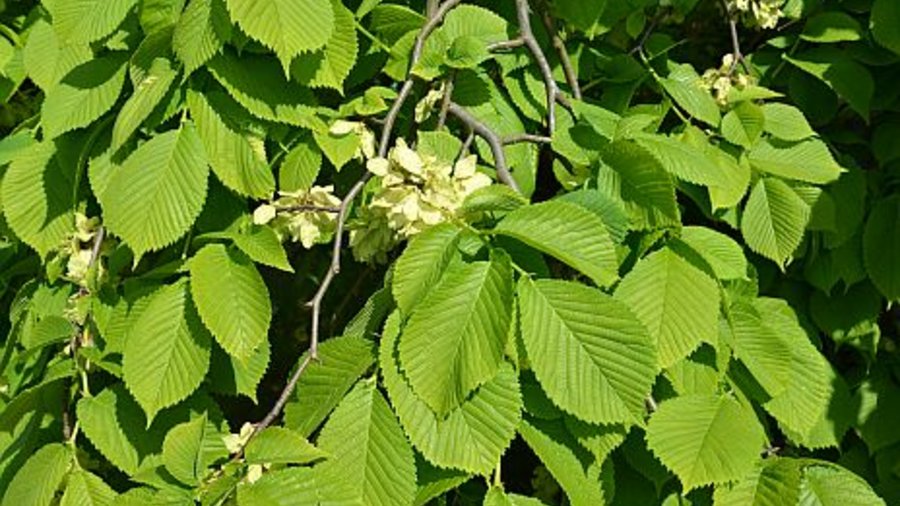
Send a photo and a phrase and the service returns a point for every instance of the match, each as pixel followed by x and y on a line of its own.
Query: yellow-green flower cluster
pixel 414 193
pixel 306 217
pixel 764 14
pixel 720 81
pixel 79 249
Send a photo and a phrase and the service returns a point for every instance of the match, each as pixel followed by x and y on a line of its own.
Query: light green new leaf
pixel 87 92
pixel 340 51
pixel 723 254
pixel 191 447
pixel 472 437
pixel 231 376
pixel 455 338
pixel 774 220
pixel 258 85
pixel 880 242
pixel 884 21
pixel 647 189
pixel 591 355
pixel 83 21
pixel 277 445
pixel 231 298
pixel 422 264
pixel 36 482
pixel 705 439
pixel 236 158
pixel 760 347
pixel 378 459
pixel 831 485
pixel 147 95
pixel 262 245
pixel 341 362
pixel 774 482
pixel 744 124
pixel 677 302
pixel 686 91
pixel 114 424
pixel 808 161
pixel 46 59
pixel 786 122
pixel 87 489
pixel 292 486
pixel 37 198
pixel 568 232
pixel 289 27
pixel 497 497
pixel 200 33
pixel 800 406
pixel 557 451
pixel 301 166
pixel 682 160
pixel 167 351
pixel 153 198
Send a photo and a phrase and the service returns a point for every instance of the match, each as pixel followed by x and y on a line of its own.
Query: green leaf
pixel 234 156
pixel 582 15
pixel 809 161
pixel 289 27
pixel 723 254
pixel 147 95
pixel 258 85
pixel 774 220
pixel 322 386
pixel 153 198
pixel 786 122
pixel 832 26
pixel 301 166
pixel 744 124
pixel 83 95
pixel 832 485
pixel 591 355
pixel 277 445
pixel 37 198
pixel 167 351
pixel 473 436
pixel 568 232
pixel 705 439
pixel 340 51
pixel 557 451
pixel 884 22
pixel 87 489
pixel 47 59
pixel 422 264
pixel 759 347
pixel 262 245
pixel 292 486
pixel 115 424
pixel 806 400
pixel 677 302
pixel 231 299
pixel 639 179
pixel 880 242
pixel 455 338
pixel 497 497
pixel 36 482
pixel 774 482
pixel 378 457
pixel 491 199
pixel 849 79
pixel 200 33
pixel 466 52
pixel 393 21
pixel 681 159
pixel 83 21
pixel 685 89
pixel 191 447
pixel 231 376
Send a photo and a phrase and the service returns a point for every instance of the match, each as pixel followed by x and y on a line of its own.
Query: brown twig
pixel 506 44
pixel 520 138
pixel 493 140
pixel 308 208
pixel 445 101
pixel 560 46
pixel 523 11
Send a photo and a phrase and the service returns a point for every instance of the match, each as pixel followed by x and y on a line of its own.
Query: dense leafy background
pixel 584 259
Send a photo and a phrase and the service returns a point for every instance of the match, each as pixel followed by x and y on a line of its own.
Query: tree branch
pixel 520 138
pixel 560 46
pixel 506 44
pixel 523 10
pixel 493 140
